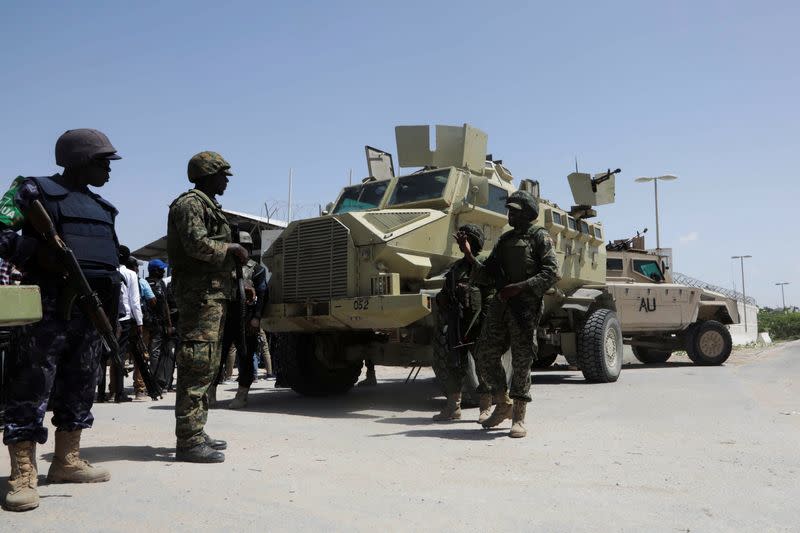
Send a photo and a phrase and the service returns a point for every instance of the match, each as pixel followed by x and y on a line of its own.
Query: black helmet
pixel 476 236
pixel 525 201
pixel 78 147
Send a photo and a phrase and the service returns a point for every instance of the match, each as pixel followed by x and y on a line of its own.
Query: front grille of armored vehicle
pixel 315 261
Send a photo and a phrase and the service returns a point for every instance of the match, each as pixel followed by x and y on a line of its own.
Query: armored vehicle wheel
pixel 599 347
pixel 300 363
pixel 650 355
pixel 709 343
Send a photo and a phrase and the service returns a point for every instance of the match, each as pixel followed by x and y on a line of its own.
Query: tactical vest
pixel 85 222
pixel 217 229
pixel 514 252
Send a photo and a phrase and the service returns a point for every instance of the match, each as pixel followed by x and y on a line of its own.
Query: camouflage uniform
pixel 462 307
pixel 521 255
pixel 197 238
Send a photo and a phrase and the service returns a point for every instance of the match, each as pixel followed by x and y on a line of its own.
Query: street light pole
pixel 741 259
pixel 655 181
pixel 783 296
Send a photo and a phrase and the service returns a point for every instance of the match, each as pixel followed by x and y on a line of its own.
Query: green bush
pixel 780 325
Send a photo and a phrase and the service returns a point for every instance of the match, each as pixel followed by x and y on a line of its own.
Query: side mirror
pixel 478 190
pixel 328 209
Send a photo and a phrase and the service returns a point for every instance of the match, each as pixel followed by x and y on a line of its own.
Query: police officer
pixel 159 325
pixel 461 307
pixel 61 352
pixel 523 266
pixel 202 255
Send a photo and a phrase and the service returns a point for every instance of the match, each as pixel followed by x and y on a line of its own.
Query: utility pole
pixel 783 296
pixel 289 208
pixel 741 259
pixel 655 181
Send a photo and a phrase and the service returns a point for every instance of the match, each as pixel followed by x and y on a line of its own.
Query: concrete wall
pixel 737 330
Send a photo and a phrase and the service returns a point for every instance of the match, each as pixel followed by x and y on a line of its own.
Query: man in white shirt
pixel 130 314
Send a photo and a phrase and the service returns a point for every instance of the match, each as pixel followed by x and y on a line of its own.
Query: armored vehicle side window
pixel 613 263
pixel 419 187
pixel 585 228
pixel 648 268
pixel 497 199
pixel 557 218
pixel 361 197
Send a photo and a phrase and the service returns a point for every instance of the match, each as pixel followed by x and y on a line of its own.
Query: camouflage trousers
pixel 501 330
pixel 197 361
pixel 54 356
pixel 450 366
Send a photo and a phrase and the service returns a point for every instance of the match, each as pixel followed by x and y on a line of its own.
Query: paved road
pixel 675 448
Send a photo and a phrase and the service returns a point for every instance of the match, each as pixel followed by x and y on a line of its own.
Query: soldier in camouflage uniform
pixel 523 266
pixel 202 255
pixel 461 308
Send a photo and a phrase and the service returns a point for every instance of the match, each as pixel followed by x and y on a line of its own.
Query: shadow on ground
pixel 104 454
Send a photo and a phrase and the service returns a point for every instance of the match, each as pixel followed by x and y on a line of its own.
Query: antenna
pixel 576 164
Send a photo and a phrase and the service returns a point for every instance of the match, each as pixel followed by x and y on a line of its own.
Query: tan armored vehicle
pixel 659 316
pixel 359 282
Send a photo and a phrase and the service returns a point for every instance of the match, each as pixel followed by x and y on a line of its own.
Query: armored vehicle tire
pixel 709 343
pixel 297 366
pixel 599 347
pixel 650 355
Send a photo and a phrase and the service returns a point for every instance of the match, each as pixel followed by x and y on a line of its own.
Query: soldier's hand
pixel 463 243
pixel 249 295
pixel 254 324
pixel 509 291
pixel 238 252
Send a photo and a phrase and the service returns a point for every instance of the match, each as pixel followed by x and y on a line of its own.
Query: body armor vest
pixel 514 250
pixel 84 221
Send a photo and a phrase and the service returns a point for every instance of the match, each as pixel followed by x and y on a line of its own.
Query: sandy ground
pixel 669 448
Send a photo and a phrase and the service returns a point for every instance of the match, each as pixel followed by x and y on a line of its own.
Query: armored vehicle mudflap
pixel 344 314
pixel 20 304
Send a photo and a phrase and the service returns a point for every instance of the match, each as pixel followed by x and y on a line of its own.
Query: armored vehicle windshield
pixel 420 187
pixel 361 197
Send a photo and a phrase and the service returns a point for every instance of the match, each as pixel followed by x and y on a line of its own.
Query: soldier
pixel 202 255
pixel 61 352
pixel 462 307
pixel 255 276
pixel 523 266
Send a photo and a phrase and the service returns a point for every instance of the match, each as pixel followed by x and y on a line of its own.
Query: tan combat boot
pixel 502 410
pixel 22 482
pixel 518 419
pixel 451 410
pixel 241 398
pixel 68 467
pixel 484 407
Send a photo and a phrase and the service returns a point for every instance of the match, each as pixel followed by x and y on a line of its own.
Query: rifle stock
pixel 86 298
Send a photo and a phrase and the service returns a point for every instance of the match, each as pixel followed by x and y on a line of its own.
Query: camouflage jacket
pixel 521 255
pixel 463 300
pixel 197 238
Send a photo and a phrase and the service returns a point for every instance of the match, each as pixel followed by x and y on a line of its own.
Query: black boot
pixel 199 453
pixel 214 443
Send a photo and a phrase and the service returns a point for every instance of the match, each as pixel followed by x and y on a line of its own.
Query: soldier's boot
pixel 484 407
pixel 240 400
pixel 502 410
pixel 518 419
pixel 212 396
pixel 199 453
pixel 217 444
pixel 370 380
pixel 451 410
pixel 22 494
pixel 68 467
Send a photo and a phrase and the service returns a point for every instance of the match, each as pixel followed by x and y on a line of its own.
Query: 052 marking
pixel 361 304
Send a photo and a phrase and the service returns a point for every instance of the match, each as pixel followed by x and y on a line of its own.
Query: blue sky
pixel 707 91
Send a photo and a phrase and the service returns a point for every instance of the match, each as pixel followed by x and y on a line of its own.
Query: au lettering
pixel 648 305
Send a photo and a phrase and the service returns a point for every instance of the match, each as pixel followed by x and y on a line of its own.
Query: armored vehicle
pixel 358 283
pixel 19 305
pixel 659 316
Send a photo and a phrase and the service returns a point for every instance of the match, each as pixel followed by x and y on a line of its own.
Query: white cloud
pixel 691 236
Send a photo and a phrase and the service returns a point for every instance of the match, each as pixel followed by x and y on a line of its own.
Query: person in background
pixel 130 321
pixel 148 303
pixel 160 326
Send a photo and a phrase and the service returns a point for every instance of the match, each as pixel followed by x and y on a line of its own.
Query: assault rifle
pixel 79 290
pixel 241 302
pixel 139 351
pixel 519 311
